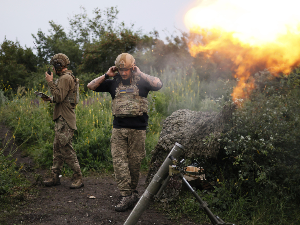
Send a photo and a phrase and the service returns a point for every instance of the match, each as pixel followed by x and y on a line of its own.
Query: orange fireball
pixel 255 35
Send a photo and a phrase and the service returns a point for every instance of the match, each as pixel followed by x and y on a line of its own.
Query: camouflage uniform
pixel 64 95
pixel 130 110
pixel 128 150
pixel 62 148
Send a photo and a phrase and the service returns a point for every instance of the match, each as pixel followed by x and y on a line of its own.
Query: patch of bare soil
pixel 62 205
pixel 92 204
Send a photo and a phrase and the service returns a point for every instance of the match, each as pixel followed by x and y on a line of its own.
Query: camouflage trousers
pixel 128 150
pixel 62 147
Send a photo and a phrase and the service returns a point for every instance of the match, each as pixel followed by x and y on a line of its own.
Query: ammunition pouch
pixel 73 97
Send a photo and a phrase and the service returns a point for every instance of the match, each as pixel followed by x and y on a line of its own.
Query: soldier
pixel 64 94
pixel 129 89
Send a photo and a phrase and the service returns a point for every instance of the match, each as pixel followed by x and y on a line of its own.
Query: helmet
pixel 59 61
pixel 125 61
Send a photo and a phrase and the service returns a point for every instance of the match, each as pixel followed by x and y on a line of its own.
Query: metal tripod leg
pixel 213 218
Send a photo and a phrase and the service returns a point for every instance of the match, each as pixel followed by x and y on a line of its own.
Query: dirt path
pixel 62 205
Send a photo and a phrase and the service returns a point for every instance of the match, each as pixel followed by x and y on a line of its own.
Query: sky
pixel 20 19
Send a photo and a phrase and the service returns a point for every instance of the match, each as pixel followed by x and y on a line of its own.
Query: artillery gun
pixel 170 167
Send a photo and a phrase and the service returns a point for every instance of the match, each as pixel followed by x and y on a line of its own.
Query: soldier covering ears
pixel 129 89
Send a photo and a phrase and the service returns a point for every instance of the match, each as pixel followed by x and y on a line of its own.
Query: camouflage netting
pixel 197 132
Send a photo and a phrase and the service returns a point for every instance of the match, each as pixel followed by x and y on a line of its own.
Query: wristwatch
pixel 106 76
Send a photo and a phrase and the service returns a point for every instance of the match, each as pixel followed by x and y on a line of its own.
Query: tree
pixel 93 43
pixel 85 30
pixel 57 42
pixel 16 64
pixel 103 39
pixel 101 55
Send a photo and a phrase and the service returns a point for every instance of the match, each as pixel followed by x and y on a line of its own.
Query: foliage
pixel 16 64
pixel 94 120
pixel 92 139
pixel 239 210
pixel 188 92
pixel 256 176
pixel 258 165
pixel 104 40
pixel 293 79
pixel 263 141
pixel 86 30
pixel 259 156
pixel 13 184
pixel 101 55
pixel 33 117
pixel 93 43
pixel 57 41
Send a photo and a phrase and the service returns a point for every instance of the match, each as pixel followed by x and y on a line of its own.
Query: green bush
pixel 13 184
pixel 263 142
pixel 238 209
pixel 256 176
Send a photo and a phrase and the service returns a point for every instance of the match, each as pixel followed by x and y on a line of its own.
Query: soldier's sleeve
pixel 105 86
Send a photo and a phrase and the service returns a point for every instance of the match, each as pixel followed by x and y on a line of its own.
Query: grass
pixel 31 120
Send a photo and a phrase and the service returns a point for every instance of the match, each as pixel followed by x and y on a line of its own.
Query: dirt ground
pixel 92 204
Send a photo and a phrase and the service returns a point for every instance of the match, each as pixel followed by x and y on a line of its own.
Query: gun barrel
pixel 154 186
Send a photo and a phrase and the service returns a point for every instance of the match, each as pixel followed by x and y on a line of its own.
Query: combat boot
pixel 53 180
pixel 135 197
pixel 77 181
pixel 124 204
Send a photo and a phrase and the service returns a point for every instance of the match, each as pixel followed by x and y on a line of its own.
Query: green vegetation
pixel 31 120
pixel 14 187
pixel 256 176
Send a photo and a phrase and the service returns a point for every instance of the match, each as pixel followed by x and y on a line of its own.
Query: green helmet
pixel 60 61
pixel 125 61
